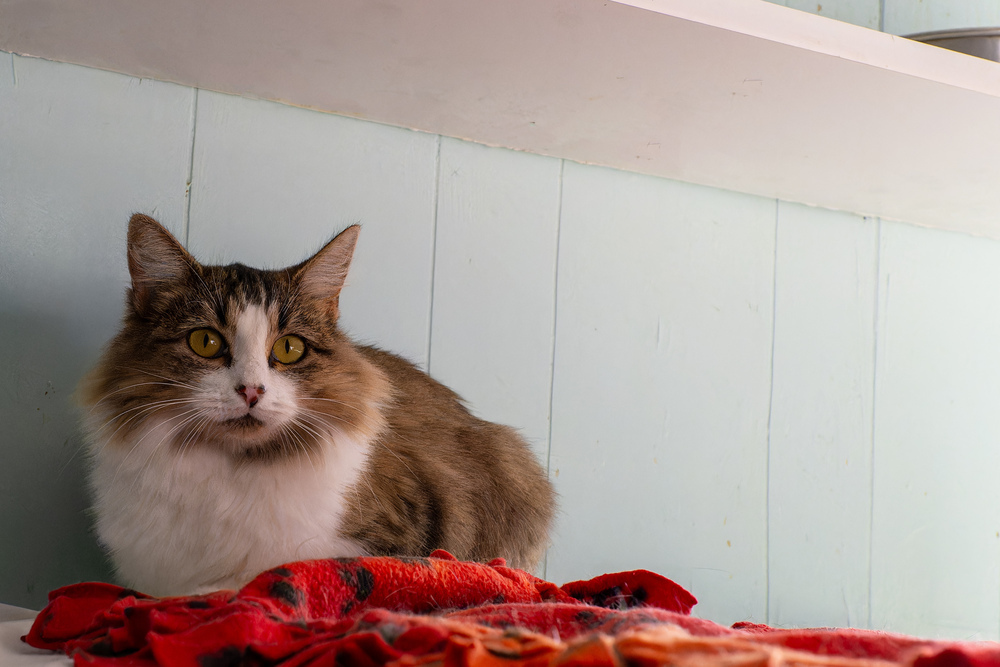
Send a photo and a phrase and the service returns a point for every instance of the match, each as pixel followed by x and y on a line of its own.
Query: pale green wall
pixel 905 17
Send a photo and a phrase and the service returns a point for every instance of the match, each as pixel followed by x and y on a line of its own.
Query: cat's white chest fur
pixel 181 523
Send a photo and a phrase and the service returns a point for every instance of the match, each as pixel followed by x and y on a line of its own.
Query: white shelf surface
pixel 738 94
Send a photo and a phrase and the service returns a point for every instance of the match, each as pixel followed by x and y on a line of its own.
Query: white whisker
pixel 324 415
pixel 198 412
pixel 148 406
pixel 136 444
pixel 143 410
pixel 333 400
pixel 133 386
pixel 364 477
pixel 157 375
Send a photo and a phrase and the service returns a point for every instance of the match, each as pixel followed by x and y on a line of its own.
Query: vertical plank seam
pixel 555 313
pixel 881 27
pixel 871 466
pixel 434 241
pixel 552 356
pixel 770 413
pixel 190 178
pixel 13 68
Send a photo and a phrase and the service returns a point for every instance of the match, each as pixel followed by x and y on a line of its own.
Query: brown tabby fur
pixel 437 477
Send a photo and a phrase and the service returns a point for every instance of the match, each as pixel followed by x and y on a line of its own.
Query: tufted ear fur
pixel 156 261
pixel 322 276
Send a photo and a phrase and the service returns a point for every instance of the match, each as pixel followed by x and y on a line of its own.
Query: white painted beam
pixel 738 94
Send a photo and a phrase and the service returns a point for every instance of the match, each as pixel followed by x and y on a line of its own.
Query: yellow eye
pixel 288 349
pixel 206 343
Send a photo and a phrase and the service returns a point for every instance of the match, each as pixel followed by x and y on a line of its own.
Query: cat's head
pixel 246 361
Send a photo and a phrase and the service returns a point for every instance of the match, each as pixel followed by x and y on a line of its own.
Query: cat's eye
pixel 206 343
pixel 288 349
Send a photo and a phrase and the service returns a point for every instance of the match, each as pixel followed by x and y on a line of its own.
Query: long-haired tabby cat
pixel 233 427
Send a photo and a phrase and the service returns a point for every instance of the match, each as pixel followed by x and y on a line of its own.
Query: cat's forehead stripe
pixel 242 286
pixel 253 331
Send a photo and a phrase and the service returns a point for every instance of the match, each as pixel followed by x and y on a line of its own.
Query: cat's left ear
pixel 322 276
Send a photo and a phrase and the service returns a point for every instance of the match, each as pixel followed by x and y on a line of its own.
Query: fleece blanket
pixel 440 611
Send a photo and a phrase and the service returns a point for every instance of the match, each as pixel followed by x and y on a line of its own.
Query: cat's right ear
pixel 155 259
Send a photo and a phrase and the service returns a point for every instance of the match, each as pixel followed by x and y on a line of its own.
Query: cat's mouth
pixel 247 421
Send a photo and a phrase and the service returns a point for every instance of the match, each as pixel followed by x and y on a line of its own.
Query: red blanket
pixel 390 611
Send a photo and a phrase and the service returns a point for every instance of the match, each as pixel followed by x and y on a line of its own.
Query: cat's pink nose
pixel 250 394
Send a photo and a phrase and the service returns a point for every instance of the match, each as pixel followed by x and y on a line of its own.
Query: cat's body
pixel 234 427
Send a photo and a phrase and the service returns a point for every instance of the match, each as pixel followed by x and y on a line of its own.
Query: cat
pixel 232 427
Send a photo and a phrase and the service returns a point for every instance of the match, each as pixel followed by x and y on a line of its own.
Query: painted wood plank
pixel 936 518
pixel 272 183
pixel 819 491
pixel 866 13
pixel 661 386
pixel 905 17
pixel 80 150
pixel 494 283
